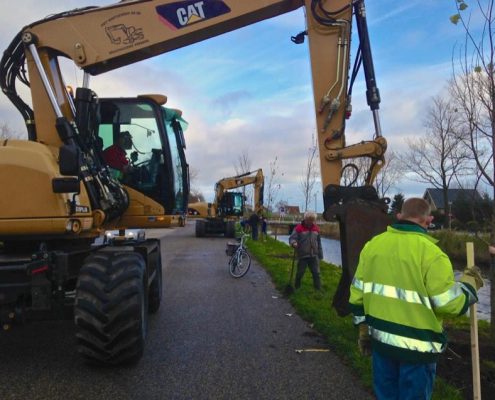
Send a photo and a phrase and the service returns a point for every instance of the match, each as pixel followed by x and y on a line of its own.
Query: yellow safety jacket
pixel 403 287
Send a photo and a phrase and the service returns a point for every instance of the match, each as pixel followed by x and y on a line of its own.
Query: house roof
pixel 292 210
pixel 436 195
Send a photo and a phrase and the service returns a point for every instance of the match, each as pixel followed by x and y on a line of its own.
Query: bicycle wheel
pixel 239 263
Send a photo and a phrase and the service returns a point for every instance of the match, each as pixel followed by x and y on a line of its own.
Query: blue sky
pixel 250 90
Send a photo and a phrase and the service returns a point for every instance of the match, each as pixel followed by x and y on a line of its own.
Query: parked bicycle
pixel 240 260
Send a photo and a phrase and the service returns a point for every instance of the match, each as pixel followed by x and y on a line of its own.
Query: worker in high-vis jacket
pixel 403 287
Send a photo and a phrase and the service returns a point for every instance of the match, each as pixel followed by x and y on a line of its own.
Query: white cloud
pixel 251 89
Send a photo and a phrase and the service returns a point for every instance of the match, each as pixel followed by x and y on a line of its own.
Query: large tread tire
pixel 111 308
pixel 156 287
pixel 230 229
pixel 200 228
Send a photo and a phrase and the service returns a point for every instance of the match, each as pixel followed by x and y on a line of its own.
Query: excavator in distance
pixel 220 216
pixel 61 196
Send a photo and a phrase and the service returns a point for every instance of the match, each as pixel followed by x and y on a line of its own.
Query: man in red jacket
pixel 116 156
pixel 305 238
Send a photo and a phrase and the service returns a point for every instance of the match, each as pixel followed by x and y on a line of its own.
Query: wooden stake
pixel 473 310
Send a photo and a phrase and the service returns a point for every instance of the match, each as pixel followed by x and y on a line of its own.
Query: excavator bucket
pixel 359 221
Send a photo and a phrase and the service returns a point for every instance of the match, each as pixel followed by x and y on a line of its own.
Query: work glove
pixel 472 276
pixel 364 341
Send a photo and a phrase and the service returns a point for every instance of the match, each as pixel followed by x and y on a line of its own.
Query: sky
pixel 249 91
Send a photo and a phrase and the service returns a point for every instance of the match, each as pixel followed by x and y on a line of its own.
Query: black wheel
pixel 230 229
pixel 156 287
pixel 200 228
pixel 239 264
pixel 111 308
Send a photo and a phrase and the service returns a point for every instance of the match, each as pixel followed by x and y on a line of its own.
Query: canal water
pixel 332 254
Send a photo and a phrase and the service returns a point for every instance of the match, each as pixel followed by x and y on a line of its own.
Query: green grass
pixel 454 245
pixel 341 335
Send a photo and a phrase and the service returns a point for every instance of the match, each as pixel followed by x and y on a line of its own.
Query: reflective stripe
pixel 445 298
pixel 396 293
pixel 356 320
pixel 407 343
pixel 357 283
pixel 467 290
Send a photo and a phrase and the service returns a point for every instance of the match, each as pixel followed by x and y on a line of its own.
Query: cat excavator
pixel 58 195
pixel 220 216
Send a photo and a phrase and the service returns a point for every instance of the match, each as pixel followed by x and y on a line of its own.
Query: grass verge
pixel 341 335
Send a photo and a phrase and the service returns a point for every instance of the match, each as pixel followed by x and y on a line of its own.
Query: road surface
pixel 214 337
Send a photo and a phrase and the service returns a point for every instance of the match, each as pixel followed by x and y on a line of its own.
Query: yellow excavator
pixel 220 216
pixel 58 194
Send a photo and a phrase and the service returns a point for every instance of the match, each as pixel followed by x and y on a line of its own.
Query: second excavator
pixel 220 216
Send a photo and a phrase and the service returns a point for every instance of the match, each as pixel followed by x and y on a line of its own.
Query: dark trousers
pixel 314 266
pixel 254 231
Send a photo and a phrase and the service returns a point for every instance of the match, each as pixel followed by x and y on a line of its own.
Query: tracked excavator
pixel 58 196
pixel 220 216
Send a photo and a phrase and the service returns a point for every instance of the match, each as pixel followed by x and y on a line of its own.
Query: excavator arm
pixel 101 39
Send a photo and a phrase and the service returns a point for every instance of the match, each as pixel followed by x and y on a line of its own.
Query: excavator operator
pixel 116 157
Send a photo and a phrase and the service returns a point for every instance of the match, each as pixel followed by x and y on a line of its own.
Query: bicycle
pixel 240 260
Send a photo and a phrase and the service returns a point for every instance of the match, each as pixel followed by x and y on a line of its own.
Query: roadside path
pixel 215 337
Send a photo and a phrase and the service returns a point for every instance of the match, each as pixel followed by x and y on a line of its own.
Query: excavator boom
pixel 62 194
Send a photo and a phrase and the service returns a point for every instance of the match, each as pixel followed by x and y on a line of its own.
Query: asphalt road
pixel 214 337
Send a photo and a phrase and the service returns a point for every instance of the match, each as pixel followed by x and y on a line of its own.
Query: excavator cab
pixel 155 157
pixel 231 205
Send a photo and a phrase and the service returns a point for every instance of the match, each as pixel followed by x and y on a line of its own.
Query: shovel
pixel 288 288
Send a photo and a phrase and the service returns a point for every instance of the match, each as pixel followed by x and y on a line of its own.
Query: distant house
pixel 292 210
pixel 434 197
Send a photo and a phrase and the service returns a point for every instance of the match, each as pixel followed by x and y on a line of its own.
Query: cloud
pixel 250 90
pixel 230 100
pixel 396 10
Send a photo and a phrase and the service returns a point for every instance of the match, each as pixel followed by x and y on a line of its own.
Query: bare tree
pixel 195 194
pixel 474 93
pixel 243 166
pixel 386 179
pixel 438 157
pixel 310 173
pixel 6 132
pixel 274 185
pixel 389 175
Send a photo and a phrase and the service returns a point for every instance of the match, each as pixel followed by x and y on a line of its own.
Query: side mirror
pixel 68 160
pixel 66 185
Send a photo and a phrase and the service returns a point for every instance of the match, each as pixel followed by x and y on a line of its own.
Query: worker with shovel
pixel 306 240
pixel 403 287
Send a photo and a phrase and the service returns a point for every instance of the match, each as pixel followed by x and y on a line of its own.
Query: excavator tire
pixel 200 228
pixel 230 229
pixel 111 308
pixel 156 287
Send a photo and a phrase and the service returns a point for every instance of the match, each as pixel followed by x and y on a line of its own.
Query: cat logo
pixel 184 13
pixel 191 13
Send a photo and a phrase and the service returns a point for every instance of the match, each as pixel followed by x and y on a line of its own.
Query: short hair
pixel 125 134
pixel 415 207
pixel 310 215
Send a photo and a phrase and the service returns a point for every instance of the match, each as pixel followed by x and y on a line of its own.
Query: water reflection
pixel 331 249
pixel 332 254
